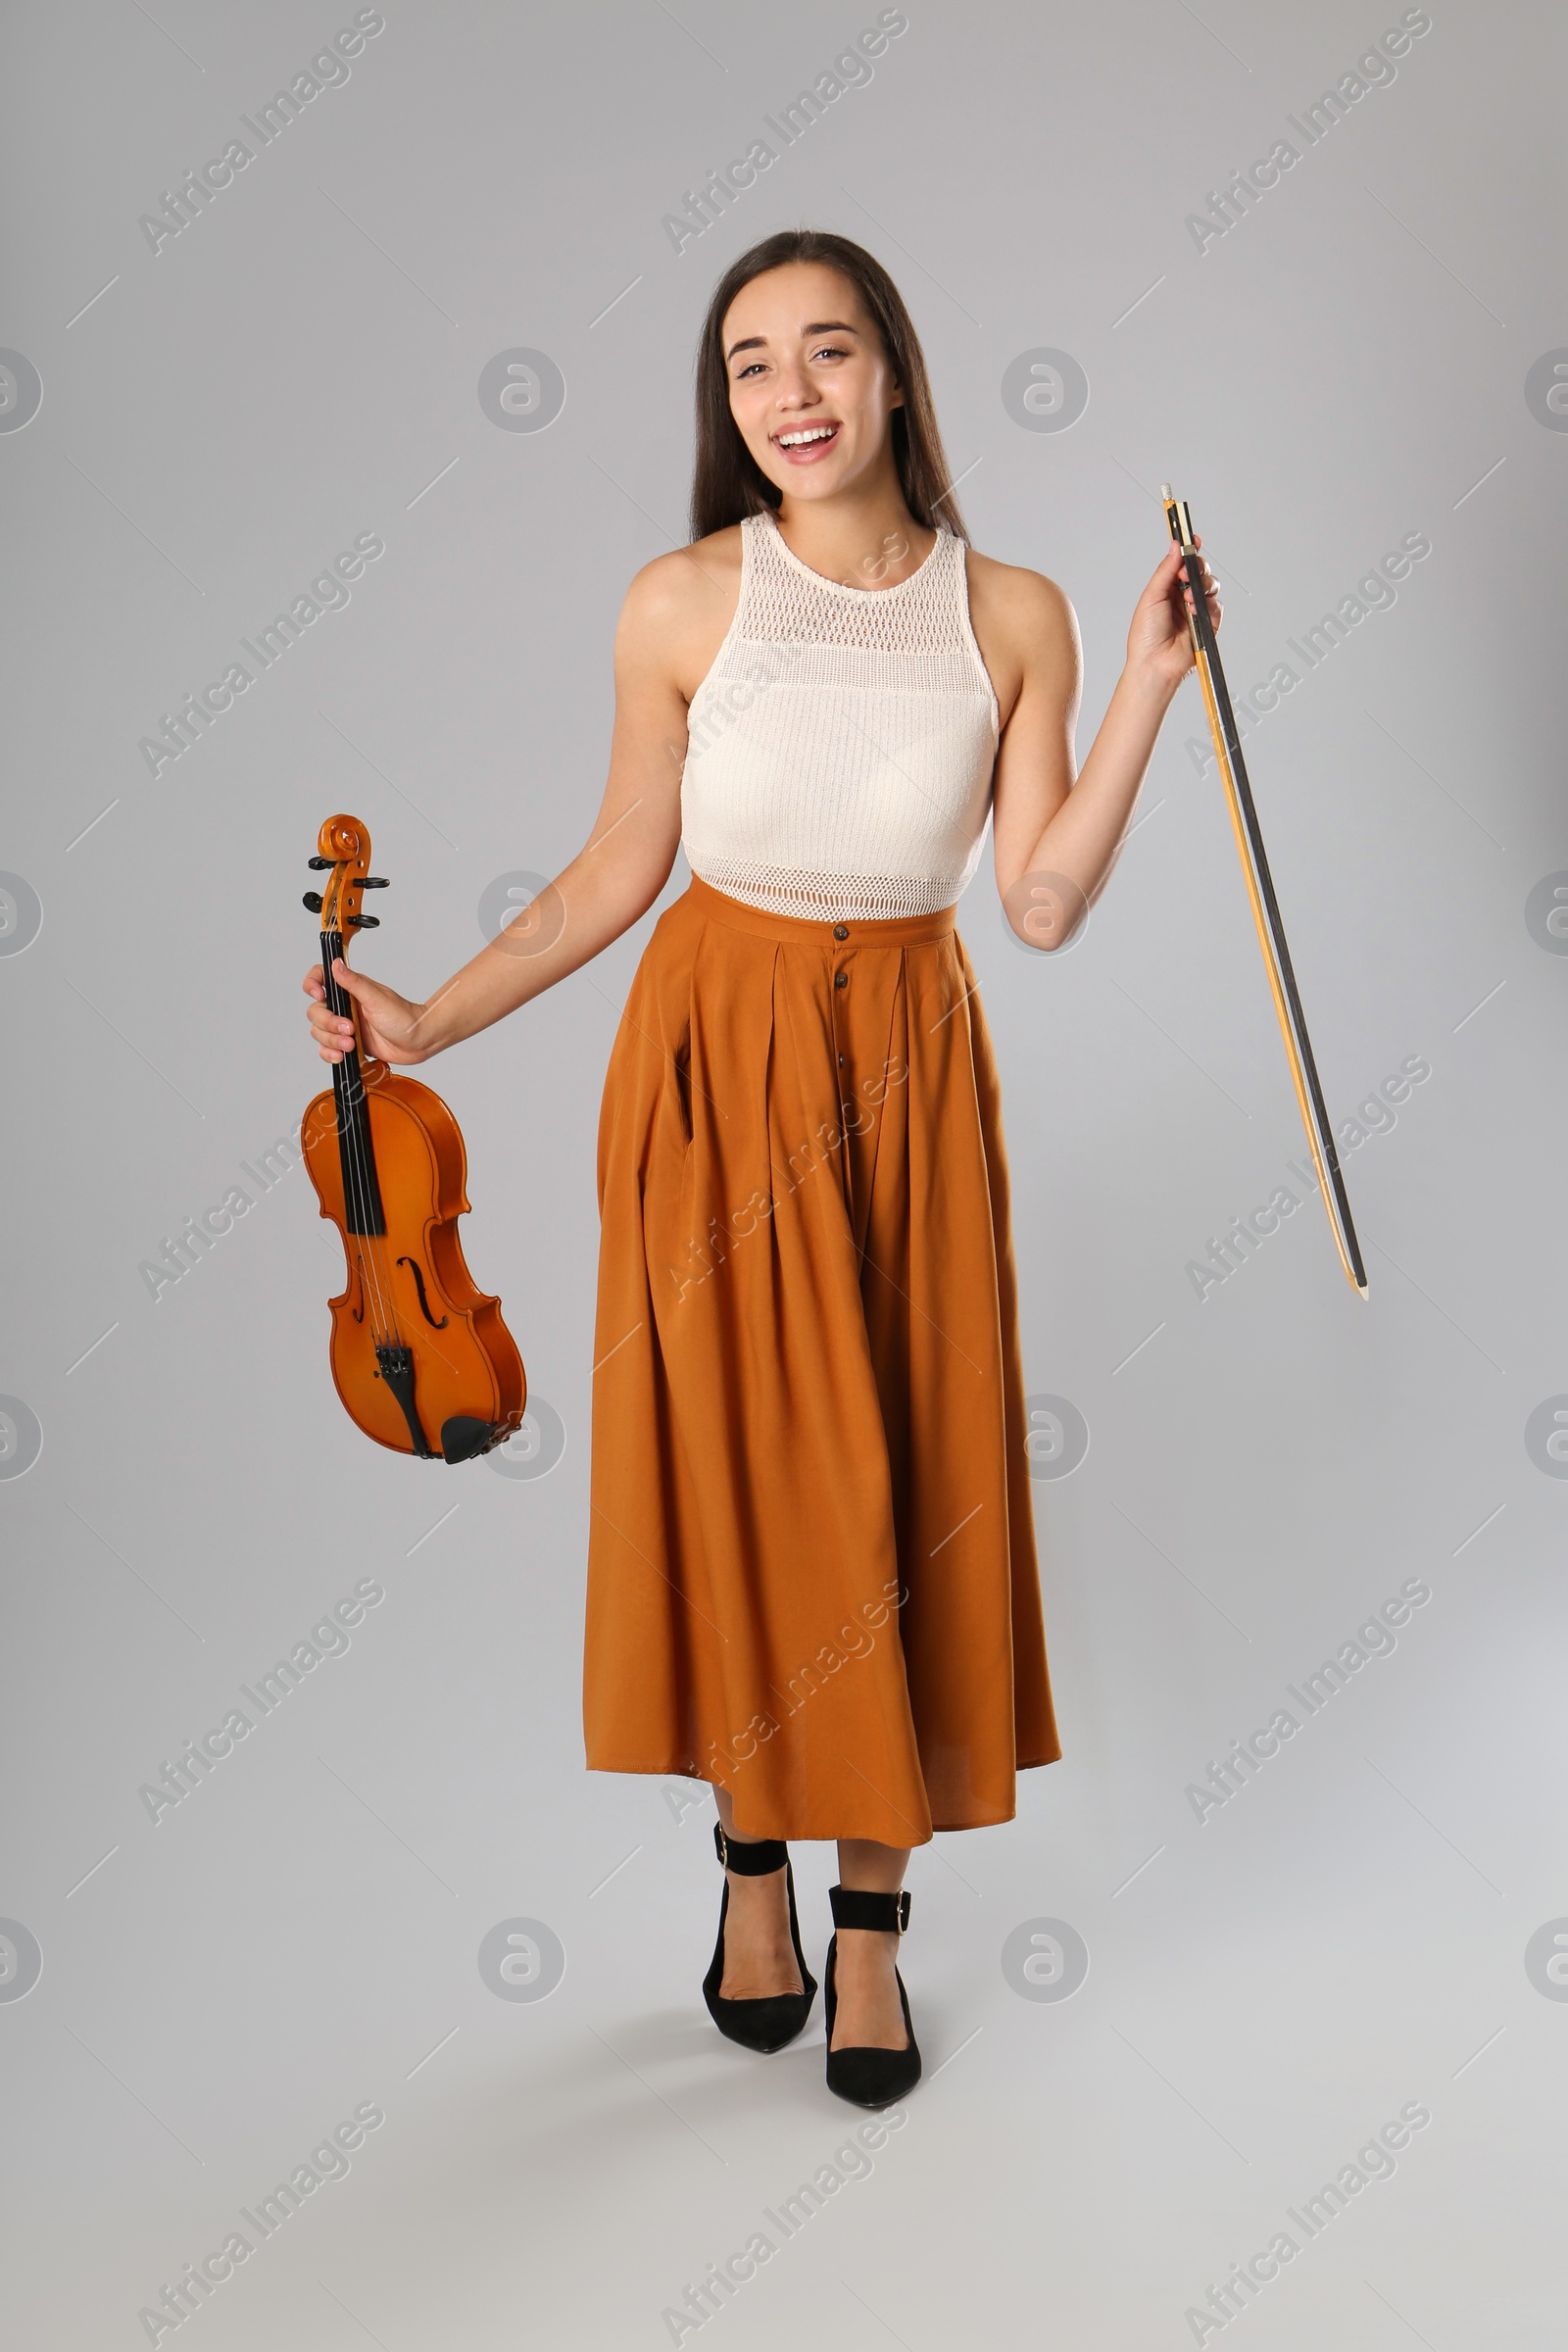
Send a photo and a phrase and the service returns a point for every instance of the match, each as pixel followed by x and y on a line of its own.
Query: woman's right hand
pixel 388 1023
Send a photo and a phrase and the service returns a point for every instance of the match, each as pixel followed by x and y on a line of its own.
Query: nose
pixel 796 389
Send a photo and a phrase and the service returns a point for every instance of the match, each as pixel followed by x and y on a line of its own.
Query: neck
pixel 865 536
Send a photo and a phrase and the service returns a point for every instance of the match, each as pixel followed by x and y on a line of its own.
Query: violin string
pixel 353 1182
pixel 384 1286
pixel 360 1218
pixel 359 1160
pixel 385 1315
pixel 364 1143
pixel 383 1318
pixel 352 1106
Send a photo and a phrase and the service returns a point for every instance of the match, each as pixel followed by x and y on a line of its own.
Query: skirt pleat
pixel 812 1573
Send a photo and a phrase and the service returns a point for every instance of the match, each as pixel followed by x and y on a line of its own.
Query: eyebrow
pixel 822 326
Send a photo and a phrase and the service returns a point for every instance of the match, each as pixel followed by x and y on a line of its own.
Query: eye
pixel 746 371
pixel 830 351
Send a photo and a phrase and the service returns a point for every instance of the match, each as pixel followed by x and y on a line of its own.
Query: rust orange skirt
pixel 812 1573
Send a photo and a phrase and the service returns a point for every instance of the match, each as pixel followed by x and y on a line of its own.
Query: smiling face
pixel 810 388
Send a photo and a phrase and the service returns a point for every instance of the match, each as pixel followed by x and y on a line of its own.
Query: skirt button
pixel 841 931
pixel 841 979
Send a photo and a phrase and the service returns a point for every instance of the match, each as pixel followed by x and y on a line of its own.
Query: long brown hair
pixel 728 483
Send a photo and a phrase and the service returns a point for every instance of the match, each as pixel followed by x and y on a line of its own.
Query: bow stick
pixel 1260 891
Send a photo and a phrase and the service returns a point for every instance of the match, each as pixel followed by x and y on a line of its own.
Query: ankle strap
pixel 753 1860
pixel 853 1907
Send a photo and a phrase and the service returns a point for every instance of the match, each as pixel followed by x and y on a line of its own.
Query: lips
pixel 823 437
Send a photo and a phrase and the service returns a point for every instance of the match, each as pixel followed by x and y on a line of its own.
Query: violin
pixel 421 1357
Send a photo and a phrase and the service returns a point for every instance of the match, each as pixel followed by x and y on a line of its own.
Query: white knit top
pixel 840 749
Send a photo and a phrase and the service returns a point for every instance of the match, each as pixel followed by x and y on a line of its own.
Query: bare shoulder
pixel 1017 601
pixel 1025 627
pixel 678 608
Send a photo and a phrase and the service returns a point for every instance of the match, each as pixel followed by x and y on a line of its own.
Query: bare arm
pixel 669 619
pixel 1044 822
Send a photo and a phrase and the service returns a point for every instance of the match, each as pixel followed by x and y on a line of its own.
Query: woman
pixel 811 1572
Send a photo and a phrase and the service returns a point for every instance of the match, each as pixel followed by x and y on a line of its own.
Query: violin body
pixel 465 1362
pixel 421 1357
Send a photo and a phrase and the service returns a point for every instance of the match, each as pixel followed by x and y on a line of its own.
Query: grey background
pixel 1266 1467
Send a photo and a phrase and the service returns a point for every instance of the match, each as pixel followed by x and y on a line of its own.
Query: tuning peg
pixel 375 882
pixel 365 922
pixel 312 899
pixel 318 865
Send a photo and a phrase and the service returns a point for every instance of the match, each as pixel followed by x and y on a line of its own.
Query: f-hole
pixel 412 1264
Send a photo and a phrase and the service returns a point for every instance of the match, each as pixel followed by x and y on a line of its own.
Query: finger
pixel 326 1026
pixel 355 983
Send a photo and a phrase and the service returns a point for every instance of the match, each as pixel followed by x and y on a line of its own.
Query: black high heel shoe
pixel 871 2077
pixel 769 2023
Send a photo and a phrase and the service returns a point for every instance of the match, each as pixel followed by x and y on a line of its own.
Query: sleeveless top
pixel 841 748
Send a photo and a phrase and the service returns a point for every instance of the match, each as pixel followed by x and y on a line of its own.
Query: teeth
pixel 819 432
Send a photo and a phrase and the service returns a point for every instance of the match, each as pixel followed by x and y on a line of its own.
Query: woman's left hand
pixel 1159 643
